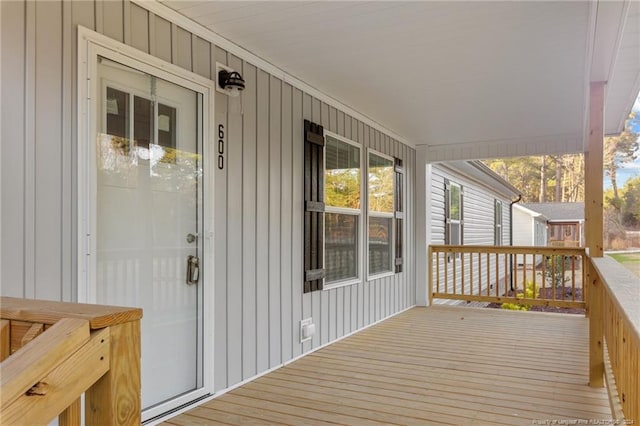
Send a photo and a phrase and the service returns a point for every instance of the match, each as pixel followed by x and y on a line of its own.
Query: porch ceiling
pixel 456 76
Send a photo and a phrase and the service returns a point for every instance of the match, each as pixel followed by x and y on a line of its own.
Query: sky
pixel 628 170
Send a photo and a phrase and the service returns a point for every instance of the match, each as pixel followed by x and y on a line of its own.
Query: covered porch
pixel 435 365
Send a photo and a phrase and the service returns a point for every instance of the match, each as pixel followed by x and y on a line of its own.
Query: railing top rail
pixel 49 312
pixel 623 286
pixel 567 251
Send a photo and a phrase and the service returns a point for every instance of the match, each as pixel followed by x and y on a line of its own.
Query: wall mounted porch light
pixel 229 81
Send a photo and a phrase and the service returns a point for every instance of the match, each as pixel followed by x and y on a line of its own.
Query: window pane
pixel 455 202
pixel 342 174
pixel 142 121
pixel 117 109
pixel 380 184
pixel 341 248
pixel 455 234
pixel 379 244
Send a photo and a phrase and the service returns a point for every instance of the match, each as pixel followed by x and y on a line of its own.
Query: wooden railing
pixel 525 276
pixel 52 352
pixel 614 326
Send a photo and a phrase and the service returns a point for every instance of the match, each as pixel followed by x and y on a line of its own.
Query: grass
pixel 629 260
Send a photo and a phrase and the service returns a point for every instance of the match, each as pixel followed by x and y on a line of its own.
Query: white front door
pixel 149 223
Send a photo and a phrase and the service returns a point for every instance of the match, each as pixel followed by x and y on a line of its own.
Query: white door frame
pixel 90 46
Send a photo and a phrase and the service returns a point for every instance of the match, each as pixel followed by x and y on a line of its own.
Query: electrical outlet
pixel 307 329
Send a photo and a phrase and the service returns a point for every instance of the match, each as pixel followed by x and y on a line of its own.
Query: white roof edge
pixel 206 34
pixel 530 212
pixel 480 173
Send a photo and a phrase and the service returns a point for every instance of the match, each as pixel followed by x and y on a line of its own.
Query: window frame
pixel 389 215
pixel 448 221
pixel 328 285
pixel 498 223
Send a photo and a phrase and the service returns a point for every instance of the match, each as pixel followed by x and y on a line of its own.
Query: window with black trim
pixel 343 212
pixel 497 221
pixel 381 213
pixel 454 213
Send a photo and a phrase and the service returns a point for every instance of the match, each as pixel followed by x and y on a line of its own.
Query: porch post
pixel 593 193
pixel 593 164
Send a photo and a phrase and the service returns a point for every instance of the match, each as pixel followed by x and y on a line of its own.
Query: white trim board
pixel 172 16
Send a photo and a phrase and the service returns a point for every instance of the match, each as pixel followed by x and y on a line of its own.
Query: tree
pixel 621 149
pixel 631 203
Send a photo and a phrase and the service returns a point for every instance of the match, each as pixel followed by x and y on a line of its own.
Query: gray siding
pixel 258 196
pixel 478 211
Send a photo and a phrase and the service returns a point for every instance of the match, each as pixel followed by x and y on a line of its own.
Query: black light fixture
pixel 231 82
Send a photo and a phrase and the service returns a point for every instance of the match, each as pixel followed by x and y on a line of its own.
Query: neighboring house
pixel 529 229
pixel 565 222
pixel 469 205
pixel 131 177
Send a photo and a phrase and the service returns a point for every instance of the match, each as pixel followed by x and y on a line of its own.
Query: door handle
pixel 193 270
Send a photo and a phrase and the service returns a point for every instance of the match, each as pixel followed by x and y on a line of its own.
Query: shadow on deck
pixel 447 365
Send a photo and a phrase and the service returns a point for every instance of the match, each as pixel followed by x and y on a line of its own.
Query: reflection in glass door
pixel 149 220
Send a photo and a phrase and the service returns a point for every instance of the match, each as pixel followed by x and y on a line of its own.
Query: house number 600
pixel 221 146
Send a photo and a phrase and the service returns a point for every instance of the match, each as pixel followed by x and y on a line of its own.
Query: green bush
pixel 530 292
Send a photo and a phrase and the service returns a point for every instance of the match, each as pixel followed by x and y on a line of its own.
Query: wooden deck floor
pixel 446 365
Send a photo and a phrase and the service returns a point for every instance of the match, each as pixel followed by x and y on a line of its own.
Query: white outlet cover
pixel 306 324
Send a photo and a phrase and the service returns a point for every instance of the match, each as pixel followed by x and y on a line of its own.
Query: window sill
pixel 380 275
pixel 339 284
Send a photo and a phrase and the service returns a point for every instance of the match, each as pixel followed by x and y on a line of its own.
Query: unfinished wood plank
pixel 62 385
pixel 29 364
pixel 71 416
pixel 115 398
pixel 593 161
pixel 34 331
pixel 5 339
pixel 48 312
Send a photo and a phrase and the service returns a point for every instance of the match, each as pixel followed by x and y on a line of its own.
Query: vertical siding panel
pixel 48 149
pixel 139 27
pixel 181 47
pixel 286 222
pixel 202 58
pixel 235 300
pixel 319 298
pixel 126 21
pixel 275 243
pixel 29 151
pixel 307 298
pixel 262 222
pixel 300 303
pixel 112 18
pixel 12 28
pixel 248 102
pixel 68 210
pixel 221 238
pixel 162 43
pixel 358 134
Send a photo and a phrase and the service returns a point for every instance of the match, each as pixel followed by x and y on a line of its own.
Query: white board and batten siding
pixel 478 218
pixel 259 300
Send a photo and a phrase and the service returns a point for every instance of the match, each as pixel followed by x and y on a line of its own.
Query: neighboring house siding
pixel 258 196
pixel 478 211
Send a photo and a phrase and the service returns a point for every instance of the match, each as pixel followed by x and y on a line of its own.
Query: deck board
pixel 438 365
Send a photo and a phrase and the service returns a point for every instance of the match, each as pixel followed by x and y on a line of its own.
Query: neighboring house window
pixel 453 206
pixel 381 213
pixel 343 209
pixel 497 221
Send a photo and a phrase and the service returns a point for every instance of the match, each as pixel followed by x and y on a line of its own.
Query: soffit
pixel 442 74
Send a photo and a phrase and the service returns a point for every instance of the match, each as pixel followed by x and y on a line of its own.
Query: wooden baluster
pixel 5 339
pixel 71 416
